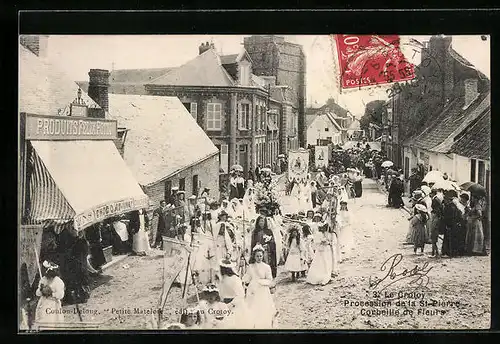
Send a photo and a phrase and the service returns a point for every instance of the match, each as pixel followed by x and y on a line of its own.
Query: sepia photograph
pixel 254 182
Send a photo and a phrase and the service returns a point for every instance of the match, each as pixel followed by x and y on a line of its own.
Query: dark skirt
pixel 358 188
pixel 97 255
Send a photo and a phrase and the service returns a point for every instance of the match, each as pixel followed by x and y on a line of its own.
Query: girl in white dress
pixel 259 279
pixel 232 293
pixel 191 318
pixel 321 268
pixel 295 196
pixel 295 261
pixel 141 241
pixel 306 197
pixel 346 237
pixel 309 244
pixel 212 309
pixel 51 291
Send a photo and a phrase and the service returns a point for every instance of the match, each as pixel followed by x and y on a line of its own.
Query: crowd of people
pixel 453 214
pixel 244 240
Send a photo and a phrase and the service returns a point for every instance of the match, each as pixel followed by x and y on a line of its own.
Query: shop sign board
pixel 51 128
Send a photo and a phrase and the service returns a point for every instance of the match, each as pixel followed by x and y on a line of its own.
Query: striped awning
pixel 81 182
pixel 47 204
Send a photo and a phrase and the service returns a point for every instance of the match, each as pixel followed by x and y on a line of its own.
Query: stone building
pixel 286 61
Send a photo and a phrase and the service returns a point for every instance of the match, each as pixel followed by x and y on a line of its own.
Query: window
pixel 214 113
pixel 193 109
pixel 244 116
pixel 258 125
pixel 168 190
pixel 480 173
pixel 473 170
pixel 327 129
pixel 182 184
pixel 223 157
pixel 195 185
pixel 244 74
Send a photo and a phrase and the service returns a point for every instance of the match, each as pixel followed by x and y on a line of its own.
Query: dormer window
pixel 245 73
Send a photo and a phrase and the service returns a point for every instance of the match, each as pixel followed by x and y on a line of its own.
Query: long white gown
pixel 260 302
pixel 48 310
pixel 294 200
pixel 346 237
pixel 321 268
pixel 278 238
pixel 141 239
pixel 306 201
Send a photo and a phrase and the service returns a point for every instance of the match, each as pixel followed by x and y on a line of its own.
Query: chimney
pixel 98 88
pixel 438 50
pixel 37 44
pixel 470 91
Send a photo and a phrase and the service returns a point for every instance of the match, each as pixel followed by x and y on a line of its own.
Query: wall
pixel 462 168
pixel 320 123
pixel 208 176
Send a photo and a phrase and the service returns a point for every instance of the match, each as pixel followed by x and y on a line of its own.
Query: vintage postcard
pixel 222 182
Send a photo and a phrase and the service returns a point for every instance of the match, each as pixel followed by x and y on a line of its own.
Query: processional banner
pixel 298 164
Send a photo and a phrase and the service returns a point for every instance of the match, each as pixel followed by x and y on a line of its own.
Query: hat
pixel 450 193
pixel 226 263
pixel 425 189
pixel 175 188
pixel 222 213
pixel 192 197
pixel 258 247
pixel 421 207
pixel 417 194
pixel 318 214
pixel 49 265
pixel 210 288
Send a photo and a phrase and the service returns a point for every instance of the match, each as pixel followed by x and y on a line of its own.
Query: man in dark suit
pixel 162 222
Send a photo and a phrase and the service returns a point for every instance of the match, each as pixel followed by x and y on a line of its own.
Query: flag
pixel 175 258
pixel 30 238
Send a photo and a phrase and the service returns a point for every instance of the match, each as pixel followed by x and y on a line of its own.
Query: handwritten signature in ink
pixel 417 276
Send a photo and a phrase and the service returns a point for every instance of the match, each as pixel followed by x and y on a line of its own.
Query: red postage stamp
pixel 367 60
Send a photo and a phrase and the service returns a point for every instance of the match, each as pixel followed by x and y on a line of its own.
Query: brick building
pixel 286 61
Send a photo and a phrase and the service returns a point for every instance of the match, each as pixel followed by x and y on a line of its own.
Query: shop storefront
pixel 74 180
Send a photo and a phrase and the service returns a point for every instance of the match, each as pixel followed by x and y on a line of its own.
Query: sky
pixel 76 55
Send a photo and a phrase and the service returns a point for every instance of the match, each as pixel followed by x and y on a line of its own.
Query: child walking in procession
pixel 295 261
pixel 322 264
pixel 309 245
pixel 259 299
pixel 51 291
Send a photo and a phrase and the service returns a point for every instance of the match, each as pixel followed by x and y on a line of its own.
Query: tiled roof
pixel 436 136
pixel 43 88
pixel 118 88
pixel 228 59
pixel 258 81
pixel 331 117
pixel 310 119
pixel 141 76
pixel 474 142
pixel 163 139
pixel 204 70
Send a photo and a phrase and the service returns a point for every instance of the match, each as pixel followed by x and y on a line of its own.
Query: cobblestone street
pixel 135 283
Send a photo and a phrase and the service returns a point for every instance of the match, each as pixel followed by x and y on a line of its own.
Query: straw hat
pixel 192 197
pixel 426 190
pixel 421 207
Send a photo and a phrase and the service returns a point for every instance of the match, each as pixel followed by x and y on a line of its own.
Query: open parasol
pixel 237 168
pixel 387 163
pixel 446 185
pixel 474 189
pixel 433 177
